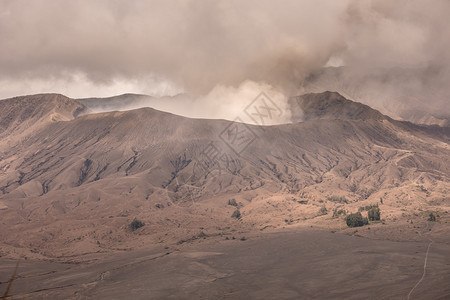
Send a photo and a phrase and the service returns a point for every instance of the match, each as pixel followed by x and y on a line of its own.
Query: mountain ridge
pixel 38 108
pixel 96 172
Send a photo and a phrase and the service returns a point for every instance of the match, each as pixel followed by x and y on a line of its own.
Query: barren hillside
pixel 72 181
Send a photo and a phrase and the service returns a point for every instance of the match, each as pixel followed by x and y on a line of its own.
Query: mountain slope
pixel 23 115
pixel 96 172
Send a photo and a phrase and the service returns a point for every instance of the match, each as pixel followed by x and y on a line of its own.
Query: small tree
pixel 374 214
pixel 136 224
pixel 356 220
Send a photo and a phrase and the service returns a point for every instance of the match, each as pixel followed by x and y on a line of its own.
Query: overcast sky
pixel 102 48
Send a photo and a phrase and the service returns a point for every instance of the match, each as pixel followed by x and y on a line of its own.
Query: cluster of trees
pixel 374 213
pixel 357 220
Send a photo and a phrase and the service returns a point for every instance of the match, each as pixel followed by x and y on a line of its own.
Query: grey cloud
pixel 393 51
pixel 197 44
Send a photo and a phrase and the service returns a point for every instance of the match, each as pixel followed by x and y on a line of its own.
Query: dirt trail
pixel 424 265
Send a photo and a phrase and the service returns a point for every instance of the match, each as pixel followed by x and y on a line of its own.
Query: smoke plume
pixel 392 54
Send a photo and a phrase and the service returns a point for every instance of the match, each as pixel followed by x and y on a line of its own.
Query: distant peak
pixel 24 111
pixel 121 97
pixel 331 106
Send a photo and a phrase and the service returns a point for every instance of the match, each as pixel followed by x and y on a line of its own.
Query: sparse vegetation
pixel 368 207
pixel 356 220
pixel 432 217
pixel 338 212
pixel 337 199
pixel 365 193
pixel 232 202
pixel 322 211
pixel 201 235
pixel 422 188
pixel 374 213
pixel 136 224
pixel 236 214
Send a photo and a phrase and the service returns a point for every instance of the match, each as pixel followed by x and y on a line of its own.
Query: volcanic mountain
pixel 410 105
pixel 72 181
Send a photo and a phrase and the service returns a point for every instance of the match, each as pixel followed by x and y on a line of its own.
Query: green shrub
pixel 432 218
pixel 236 214
pixel 136 224
pixel 374 213
pixel 356 220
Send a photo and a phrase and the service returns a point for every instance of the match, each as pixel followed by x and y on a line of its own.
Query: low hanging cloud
pixel 396 58
pixel 392 54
